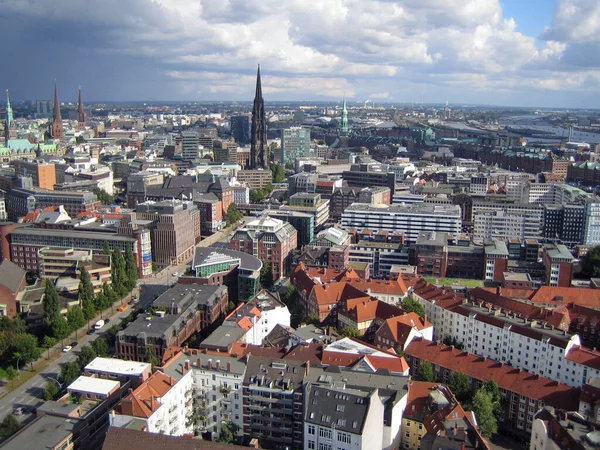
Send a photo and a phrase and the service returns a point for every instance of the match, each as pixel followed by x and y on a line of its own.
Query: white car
pixel 68 348
pixel 176 274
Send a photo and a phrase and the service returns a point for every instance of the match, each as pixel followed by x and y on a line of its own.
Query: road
pixel 30 393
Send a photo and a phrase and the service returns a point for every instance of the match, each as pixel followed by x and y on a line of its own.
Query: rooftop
pixel 117 366
pixel 210 255
pixel 44 432
pixel 93 385
pixel 419 209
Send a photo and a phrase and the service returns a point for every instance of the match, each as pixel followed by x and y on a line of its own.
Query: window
pixel 344 437
pixel 311 429
pixel 325 433
pixel 323 446
pixel 311 445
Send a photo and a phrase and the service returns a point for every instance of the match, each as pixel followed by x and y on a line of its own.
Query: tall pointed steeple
pixel 80 111
pixel 344 121
pixel 56 131
pixel 259 152
pixel 9 123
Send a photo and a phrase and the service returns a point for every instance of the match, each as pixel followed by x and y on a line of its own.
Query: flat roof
pixel 44 432
pixel 117 366
pixel 206 255
pixel 93 385
pixel 73 234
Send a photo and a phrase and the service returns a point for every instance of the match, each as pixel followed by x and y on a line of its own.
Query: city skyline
pixel 542 53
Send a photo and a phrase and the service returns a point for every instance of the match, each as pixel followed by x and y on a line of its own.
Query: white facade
pixel 241 195
pixel 3 215
pixel 501 224
pixel 411 219
pixel 540 439
pixel 280 315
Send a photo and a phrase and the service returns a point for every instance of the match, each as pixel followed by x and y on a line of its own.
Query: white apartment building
pixel 479 185
pixel 411 219
pixel 494 221
pixel 241 195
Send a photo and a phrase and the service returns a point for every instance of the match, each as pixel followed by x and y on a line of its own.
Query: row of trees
pixel 258 195
pixel 233 214
pixel 17 346
pixel 485 402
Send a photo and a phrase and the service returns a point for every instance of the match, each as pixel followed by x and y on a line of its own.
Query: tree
pixel 256 195
pixel 460 385
pixel 590 263
pixel 51 390
pixel 48 343
pixel 69 373
pixel 266 275
pixel 104 197
pixel 51 303
pixel 75 318
pixel 484 412
pixel 26 348
pixel 9 426
pixel 426 372
pixel 411 305
pixel 233 214
pixel 493 389
pixel 131 270
pixel 151 358
pixel 101 347
pixel 313 319
pixel 60 328
pixel 106 248
pixel 86 355
pixel 278 173
pixel 119 273
pixel 86 294
pixel 11 373
pixel 230 307
pixel 350 332
pixel 227 436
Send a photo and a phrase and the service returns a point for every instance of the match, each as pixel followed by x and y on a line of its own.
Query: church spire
pixel 9 112
pixel 80 111
pixel 259 152
pixel 344 121
pixel 9 122
pixel 57 127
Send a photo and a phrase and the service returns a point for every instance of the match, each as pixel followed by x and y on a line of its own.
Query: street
pixel 30 393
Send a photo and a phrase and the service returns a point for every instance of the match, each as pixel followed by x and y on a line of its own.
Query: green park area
pixel 455 282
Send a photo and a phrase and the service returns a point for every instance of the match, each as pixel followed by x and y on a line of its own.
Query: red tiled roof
pixel 363 309
pixel 508 304
pixel 418 393
pixel 401 326
pixel 564 295
pixel 515 380
pixel 143 401
pixel 393 287
pixel 584 356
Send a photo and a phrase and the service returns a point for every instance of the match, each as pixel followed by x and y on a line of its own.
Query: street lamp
pixel 60 385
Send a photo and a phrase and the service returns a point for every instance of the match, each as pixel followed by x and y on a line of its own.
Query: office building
pixel 270 240
pixel 380 256
pixel 310 204
pixel 240 129
pixel 225 152
pixel 190 144
pixel 295 143
pixel 181 311
pixel 20 201
pixel 42 174
pixel 411 219
pixel 255 179
pixel 507 225
pixel 558 261
pixel 365 175
pixel 304 224
pixel 591 233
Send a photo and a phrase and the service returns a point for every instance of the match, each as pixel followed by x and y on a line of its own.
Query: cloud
pixel 408 50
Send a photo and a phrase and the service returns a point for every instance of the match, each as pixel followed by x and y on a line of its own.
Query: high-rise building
pixel 259 152
pixel 42 174
pixel 295 143
pixel 240 129
pixel 189 145
pixel 56 128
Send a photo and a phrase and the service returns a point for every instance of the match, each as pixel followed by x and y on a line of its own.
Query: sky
pixel 540 53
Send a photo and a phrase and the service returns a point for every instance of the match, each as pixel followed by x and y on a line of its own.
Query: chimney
pixel 218 364
pixel 253 443
pixel 199 363
pixel 307 367
pixel 187 364
pixel 209 363
pixel 229 367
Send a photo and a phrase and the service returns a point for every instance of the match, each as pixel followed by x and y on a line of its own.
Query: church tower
pixel 80 112
pixel 10 129
pixel 259 152
pixel 344 122
pixel 56 129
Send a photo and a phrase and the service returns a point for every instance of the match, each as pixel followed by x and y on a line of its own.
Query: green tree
pixel 233 214
pixel 51 391
pixel 227 436
pixel 460 385
pixel 119 273
pixel 48 343
pixel 106 248
pixel 11 373
pixel 266 275
pixel 5 344
pixel 131 270
pixel 278 173
pixel 590 263
pixel 109 293
pixel 151 358
pixel 256 195
pixel 101 347
pixel 313 319
pixel 426 372
pixel 104 197
pixel 86 294
pixel 69 373
pixel 493 389
pixel 411 305
pixel 9 426
pixel 60 328
pixel 350 332
pixel 75 318
pixel 483 407
pixel 230 307
pixel 86 355
pixel 51 303
pixel 26 348
pixel 14 326
pixel 101 302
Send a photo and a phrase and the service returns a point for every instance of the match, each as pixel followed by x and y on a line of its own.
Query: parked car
pixel 18 411
pixel 74 344
pixel 68 348
pixel 90 332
